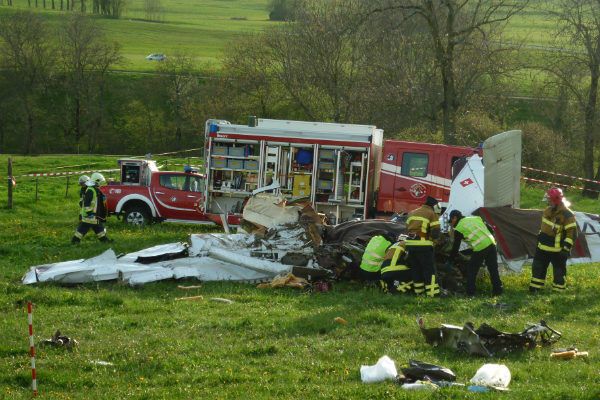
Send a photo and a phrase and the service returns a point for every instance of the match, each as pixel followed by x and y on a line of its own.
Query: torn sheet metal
pixel 75 271
pixel 162 252
pixel 418 370
pixel 208 257
pixel 256 264
pixel 487 341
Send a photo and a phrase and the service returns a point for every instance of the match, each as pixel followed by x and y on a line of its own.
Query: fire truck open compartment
pixel 332 165
pixel 136 172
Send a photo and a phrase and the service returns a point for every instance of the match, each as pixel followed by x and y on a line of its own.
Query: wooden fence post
pixel 10 184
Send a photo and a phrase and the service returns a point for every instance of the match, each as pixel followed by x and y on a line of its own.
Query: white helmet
pixel 83 179
pixel 97 179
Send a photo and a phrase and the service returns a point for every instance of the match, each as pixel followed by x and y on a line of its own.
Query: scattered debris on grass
pixel 60 340
pixel 495 376
pixel 221 300
pixel 189 287
pixel 340 320
pixel 191 298
pixel 289 280
pixel 567 354
pixel 384 369
pixel 486 340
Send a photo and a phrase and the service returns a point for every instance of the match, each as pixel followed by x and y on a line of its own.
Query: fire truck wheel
pixel 137 215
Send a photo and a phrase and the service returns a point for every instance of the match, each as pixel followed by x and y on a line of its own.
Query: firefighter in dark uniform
pixel 396 277
pixel 372 258
pixel 478 235
pixel 83 180
pixel 555 240
pixel 93 210
pixel 423 227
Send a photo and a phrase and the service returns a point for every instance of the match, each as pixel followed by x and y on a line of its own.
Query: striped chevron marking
pixel 434 180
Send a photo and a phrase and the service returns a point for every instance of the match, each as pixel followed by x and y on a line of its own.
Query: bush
pixel 474 127
pixel 545 149
pixel 282 10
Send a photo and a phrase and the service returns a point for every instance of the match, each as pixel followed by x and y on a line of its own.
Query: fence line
pixel 559 174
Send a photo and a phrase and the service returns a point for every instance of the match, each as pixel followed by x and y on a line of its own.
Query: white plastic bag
pixel 384 369
pixel 492 375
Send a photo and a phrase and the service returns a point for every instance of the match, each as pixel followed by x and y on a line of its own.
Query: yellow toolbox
pixel 301 186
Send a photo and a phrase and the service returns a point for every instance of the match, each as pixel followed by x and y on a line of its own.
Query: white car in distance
pixel 156 57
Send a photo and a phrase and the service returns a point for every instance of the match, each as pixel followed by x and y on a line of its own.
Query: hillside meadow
pixel 269 343
pixel 202 29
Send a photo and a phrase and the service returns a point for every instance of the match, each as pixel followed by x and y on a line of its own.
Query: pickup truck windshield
pixel 187 183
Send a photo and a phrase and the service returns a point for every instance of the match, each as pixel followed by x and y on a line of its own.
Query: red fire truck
pixel 345 170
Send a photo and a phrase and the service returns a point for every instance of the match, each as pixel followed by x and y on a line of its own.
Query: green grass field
pixel 269 343
pixel 200 29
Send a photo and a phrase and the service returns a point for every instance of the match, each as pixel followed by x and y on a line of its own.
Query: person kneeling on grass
pixel 396 276
pixel 478 235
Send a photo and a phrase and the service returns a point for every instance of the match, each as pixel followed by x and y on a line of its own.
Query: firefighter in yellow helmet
pixel 423 227
pixel 555 240
pixel 396 276
pixel 83 180
pixel 93 210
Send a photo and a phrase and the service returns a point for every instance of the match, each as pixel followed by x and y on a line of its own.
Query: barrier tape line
pixel 559 174
pixel 63 173
pixel 558 184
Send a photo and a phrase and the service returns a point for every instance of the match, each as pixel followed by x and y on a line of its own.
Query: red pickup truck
pixel 146 194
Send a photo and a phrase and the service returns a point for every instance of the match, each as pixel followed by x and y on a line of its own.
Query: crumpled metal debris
pixel 59 340
pixel 487 340
pixel 418 370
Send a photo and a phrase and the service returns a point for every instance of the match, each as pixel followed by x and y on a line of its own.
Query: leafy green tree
pixel 28 60
pixel 85 56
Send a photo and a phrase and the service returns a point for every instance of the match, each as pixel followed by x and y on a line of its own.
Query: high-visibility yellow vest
pixel 374 254
pixel 475 233
pixel 92 207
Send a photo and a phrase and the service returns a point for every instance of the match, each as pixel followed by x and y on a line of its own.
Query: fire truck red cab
pixel 411 171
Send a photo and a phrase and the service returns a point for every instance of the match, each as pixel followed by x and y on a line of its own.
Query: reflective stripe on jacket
pixel 423 224
pixel 558 228
pixel 374 253
pixel 475 233
pixel 90 206
pixel 395 254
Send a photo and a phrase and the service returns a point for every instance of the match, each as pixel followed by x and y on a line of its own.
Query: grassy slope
pixel 269 343
pixel 198 28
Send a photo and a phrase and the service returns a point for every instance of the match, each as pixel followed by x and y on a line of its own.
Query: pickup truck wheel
pixel 137 215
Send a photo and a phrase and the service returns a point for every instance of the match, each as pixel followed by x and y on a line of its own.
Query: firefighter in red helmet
pixel 555 240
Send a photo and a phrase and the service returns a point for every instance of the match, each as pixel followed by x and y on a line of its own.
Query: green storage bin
pixel 324 185
pixel 235 164
pixel 220 150
pixel 219 163
pixel 251 165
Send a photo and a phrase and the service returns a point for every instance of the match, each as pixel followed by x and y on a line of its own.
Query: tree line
pixel 108 8
pixel 421 70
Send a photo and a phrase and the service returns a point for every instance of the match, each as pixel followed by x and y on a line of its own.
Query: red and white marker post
pixel 31 349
